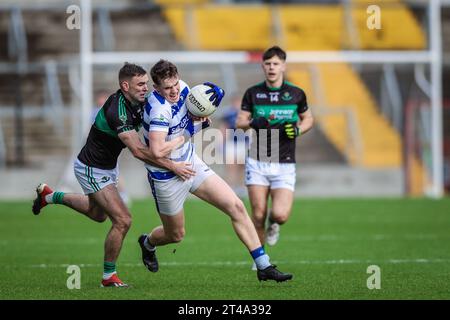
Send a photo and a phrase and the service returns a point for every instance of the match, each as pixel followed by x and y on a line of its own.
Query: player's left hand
pixel 206 123
pixel 195 118
pixel 217 93
pixel 291 130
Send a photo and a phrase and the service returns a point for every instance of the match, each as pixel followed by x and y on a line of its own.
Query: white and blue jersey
pixel 173 118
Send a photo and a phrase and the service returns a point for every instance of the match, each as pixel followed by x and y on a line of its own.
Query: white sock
pixel 148 245
pixel 49 198
pixel 106 276
pixel 262 262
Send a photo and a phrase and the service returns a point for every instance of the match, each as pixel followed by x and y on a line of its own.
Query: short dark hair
pixel 163 69
pixel 274 51
pixel 130 70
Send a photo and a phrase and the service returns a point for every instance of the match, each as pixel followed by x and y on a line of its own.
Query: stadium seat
pixel 316 27
pixel 180 2
pixel 381 142
pixel 210 21
pixel 302 27
pixel 312 27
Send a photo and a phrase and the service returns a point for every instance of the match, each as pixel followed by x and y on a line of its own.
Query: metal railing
pixel 54 105
pixel 2 147
pixel 354 148
pixel 353 145
pixel 17 39
pixel 350 27
pixel 107 39
pixel 392 102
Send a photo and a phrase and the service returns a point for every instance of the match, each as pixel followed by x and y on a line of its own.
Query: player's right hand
pixel 183 170
pixel 259 123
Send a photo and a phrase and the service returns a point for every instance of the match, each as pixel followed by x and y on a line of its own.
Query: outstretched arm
pixel 158 145
pixel 142 152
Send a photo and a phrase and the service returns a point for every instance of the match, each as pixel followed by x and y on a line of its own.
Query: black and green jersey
pixel 279 106
pixel 103 145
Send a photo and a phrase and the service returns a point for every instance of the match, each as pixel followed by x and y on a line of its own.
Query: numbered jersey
pixel 172 118
pixel 279 106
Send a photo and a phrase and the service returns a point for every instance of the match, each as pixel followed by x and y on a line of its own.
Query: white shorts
pixel 274 175
pixel 170 194
pixel 93 179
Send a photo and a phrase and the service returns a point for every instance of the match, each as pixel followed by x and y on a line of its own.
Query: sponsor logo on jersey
pixel 105 179
pixel 281 114
pixel 139 116
pixel 125 127
pixel 183 124
pixel 261 96
pixel 260 113
pixel 248 175
pixel 286 96
pixel 123 118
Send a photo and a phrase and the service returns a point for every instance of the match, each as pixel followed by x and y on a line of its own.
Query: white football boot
pixel 272 233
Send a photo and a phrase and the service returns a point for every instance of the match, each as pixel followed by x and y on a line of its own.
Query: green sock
pixel 109 267
pixel 58 197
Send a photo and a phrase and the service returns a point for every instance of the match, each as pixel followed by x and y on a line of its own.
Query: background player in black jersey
pixel 274 104
pixel 116 126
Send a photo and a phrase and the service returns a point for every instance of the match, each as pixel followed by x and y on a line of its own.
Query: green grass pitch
pixel 327 245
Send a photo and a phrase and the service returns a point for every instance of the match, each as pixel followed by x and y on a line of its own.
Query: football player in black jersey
pixel 278 112
pixel 116 127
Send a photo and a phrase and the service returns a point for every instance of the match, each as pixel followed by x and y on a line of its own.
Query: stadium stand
pixel 318 27
pixel 47 41
pixel 382 146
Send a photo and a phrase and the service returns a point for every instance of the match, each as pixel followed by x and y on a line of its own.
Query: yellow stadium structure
pixel 317 27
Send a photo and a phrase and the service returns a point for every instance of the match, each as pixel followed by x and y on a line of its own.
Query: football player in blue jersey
pixel 173 178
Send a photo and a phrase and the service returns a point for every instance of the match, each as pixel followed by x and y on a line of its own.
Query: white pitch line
pixel 248 262
pixel 287 238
